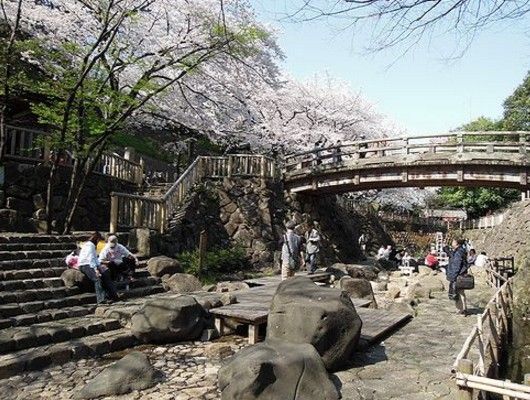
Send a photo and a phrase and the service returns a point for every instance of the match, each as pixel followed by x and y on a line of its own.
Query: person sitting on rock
pixel 481 260
pixel 120 261
pixel 291 245
pixel 89 265
pixel 431 260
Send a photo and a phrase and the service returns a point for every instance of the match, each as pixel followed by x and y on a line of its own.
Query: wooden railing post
pixel 465 366
pixel 113 213
pixel 163 217
pixel 229 166
pixel 203 243
pixel 522 143
pixel 407 148
pixel 138 214
pixel 460 142
pixel 263 167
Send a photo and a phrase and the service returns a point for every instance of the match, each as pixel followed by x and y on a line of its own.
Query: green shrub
pixel 216 263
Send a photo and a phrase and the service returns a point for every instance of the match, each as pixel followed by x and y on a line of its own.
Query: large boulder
pixel 181 283
pixel 302 312
pixel 132 372
pixel 418 291
pixel 274 370
pixel 162 265
pixel 355 271
pixel 432 282
pixel 75 278
pixel 169 319
pixel 358 288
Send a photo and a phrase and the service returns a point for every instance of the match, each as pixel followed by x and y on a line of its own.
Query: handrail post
pixel 229 166
pixel 465 366
pixel 460 141
pixel 138 214
pixel 162 217
pixel 522 143
pixel 263 167
pixel 407 148
pixel 113 228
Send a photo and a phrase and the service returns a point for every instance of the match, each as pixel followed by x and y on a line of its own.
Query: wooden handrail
pixel 439 143
pixel 146 212
pixel 487 336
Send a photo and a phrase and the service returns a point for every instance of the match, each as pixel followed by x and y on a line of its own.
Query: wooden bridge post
pixel 263 166
pixel 407 148
pixel 465 366
pixel 138 213
pixel 230 166
pixel 113 213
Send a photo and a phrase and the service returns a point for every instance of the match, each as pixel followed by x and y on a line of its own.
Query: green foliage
pixel 477 201
pixel 216 263
pixel 517 108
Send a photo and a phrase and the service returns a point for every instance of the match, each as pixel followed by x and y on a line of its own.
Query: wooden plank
pixel 379 323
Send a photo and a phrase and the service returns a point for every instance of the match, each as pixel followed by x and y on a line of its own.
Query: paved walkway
pixel 414 363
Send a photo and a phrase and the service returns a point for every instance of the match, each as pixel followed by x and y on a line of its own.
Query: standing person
pixel 312 248
pixel 317 152
pixel 481 260
pixel 89 265
pixel 457 266
pixel 291 251
pixel 471 257
pixel 337 153
pixel 431 260
pixel 387 253
pixel 362 147
pixel 362 244
pixel 120 261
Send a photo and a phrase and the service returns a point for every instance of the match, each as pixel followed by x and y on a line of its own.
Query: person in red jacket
pixel 431 260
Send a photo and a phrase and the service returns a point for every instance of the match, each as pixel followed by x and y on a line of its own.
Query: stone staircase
pixel 42 322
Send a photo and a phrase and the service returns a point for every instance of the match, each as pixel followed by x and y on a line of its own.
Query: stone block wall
pixel 251 213
pixel 23 195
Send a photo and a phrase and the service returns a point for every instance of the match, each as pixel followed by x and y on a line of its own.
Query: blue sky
pixel 422 91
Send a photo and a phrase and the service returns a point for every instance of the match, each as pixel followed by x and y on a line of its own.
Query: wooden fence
pixel 131 211
pixel 476 367
pixel 29 145
pixel 489 221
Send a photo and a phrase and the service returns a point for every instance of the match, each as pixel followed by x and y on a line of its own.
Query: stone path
pixel 414 363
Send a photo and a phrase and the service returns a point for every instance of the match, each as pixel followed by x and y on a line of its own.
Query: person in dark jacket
pixel 457 266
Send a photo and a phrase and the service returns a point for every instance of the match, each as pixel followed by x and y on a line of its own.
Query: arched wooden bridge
pixel 493 159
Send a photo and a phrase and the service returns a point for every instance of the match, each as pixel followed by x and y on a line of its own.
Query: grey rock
pixel 302 312
pixel 209 335
pixel 358 288
pixel 181 283
pixel 38 201
pixel 169 319
pixel 275 370
pixel 231 286
pixel 132 372
pixel 417 291
pixel 74 278
pixel 162 265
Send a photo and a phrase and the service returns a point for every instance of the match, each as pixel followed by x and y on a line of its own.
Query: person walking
pixel 312 248
pixel 291 250
pixel 457 266
pixel 89 265
pixel 337 152
pixel 120 261
pixel 317 153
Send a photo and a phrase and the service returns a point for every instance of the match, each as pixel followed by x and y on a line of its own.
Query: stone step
pixel 66 246
pixel 14 309
pixel 55 282
pixel 44 333
pixel 37 238
pixel 47 315
pixel 24 284
pixel 32 273
pixel 31 295
pixel 7 265
pixel 32 255
pixel 41 357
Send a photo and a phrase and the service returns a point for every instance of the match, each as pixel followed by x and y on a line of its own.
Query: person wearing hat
pixel 120 261
pixel 291 251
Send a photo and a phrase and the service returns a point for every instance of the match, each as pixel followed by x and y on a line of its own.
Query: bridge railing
pixel 128 211
pixel 488 221
pixel 460 142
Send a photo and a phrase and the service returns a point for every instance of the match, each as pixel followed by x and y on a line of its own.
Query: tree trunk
pixel 77 184
pixel 49 194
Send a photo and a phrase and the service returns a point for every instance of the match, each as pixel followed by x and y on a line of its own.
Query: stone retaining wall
pixel 251 213
pixel 22 198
